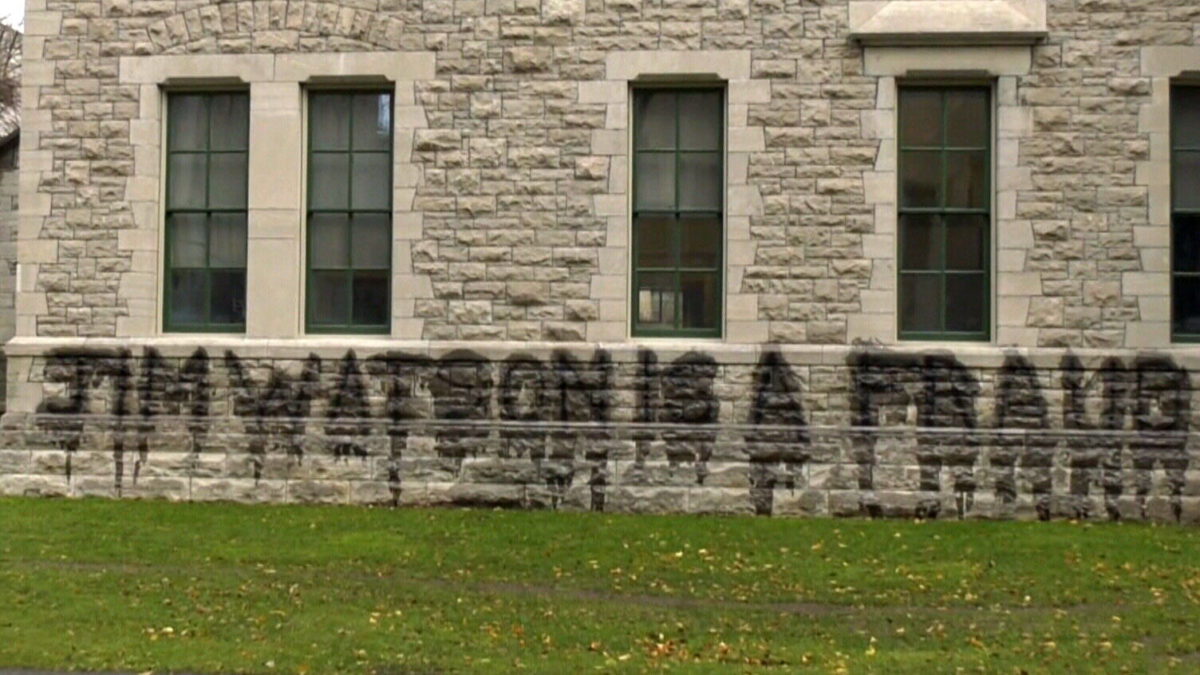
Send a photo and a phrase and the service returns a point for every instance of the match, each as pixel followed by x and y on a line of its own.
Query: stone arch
pixel 275 26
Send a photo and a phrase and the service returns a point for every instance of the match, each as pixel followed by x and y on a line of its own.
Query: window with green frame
pixel 1185 213
pixel 205 270
pixel 945 212
pixel 349 212
pixel 678 207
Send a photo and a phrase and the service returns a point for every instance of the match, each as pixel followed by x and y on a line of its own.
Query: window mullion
pixel 207 204
pixel 943 302
pixel 349 272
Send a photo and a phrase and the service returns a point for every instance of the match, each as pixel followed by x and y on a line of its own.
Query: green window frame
pixel 349 212
pixel 678 211
pixel 207 148
pixel 945 202
pixel 1185 213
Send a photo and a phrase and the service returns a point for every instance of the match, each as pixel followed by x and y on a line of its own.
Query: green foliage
pixel 137 586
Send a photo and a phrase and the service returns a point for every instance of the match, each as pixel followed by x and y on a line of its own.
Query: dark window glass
pixel 921 118
pixel 945 212
pixel 922 179
pixel 679 199
pixel 921 243
pixel 349 212
pixel 921 302
pixel 1185 213
pixel 207 142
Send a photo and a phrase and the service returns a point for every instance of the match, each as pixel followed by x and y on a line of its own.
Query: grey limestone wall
pixel 9 216
pixel 766 431
pixel 509 378
pixel 520 170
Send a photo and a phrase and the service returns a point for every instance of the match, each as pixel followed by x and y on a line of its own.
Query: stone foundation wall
pixel 774 431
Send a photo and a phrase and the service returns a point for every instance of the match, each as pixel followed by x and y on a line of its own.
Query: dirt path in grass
pixel 810 609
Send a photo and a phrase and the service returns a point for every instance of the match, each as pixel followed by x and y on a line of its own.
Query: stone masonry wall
pixel 9 216
pixel 509 378
pixel 521 168
pixel 765 431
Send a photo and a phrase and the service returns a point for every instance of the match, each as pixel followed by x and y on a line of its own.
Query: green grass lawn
pixel 137 586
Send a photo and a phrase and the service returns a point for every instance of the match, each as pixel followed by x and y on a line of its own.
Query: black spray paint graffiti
pixel 161 390
pixel 680 398
pixel 565 390
pixel 1151 397
pixel 275 410
pixel 1021 405
pixel 407 399
pixel 931 392
pixel 777 458
pixel 557 415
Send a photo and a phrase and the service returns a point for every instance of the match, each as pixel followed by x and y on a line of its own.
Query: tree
pixel 10 66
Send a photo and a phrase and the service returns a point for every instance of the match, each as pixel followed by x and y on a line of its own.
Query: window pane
pixel 966 242
pixel 187 184
pixel 654 239
pixel 656 300
pixel 699 298
pixel 920 118
pixel 921 179
pixel 654 182
pixel 920 303
pixel 654 119
pixel 372 122
pixel 968 122
pixel 228 297
pixel 330 181
pixel 700 182
pixel 372 241
pixel 230 120
pixel 188 239
pixel 330 241
pixel 187 122
pixel 227 181
pixel 965 302
pixel 921 242
pixel 1186 300
pixel 328 296
pixel 187 296
pixel 1185 117
pixel 372 181
pixel 330 115
pixel 1185 232
pixel 701 117
pixel 967 181
pixel 1185 179
pixel 371 298
pixel 700 242
pixel 227 247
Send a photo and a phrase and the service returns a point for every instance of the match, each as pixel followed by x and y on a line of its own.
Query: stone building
pixel 793 257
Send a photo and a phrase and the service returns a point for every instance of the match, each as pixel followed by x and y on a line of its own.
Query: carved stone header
pixel 942 22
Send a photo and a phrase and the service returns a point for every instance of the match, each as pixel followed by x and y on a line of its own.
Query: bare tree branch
pixel 10 66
